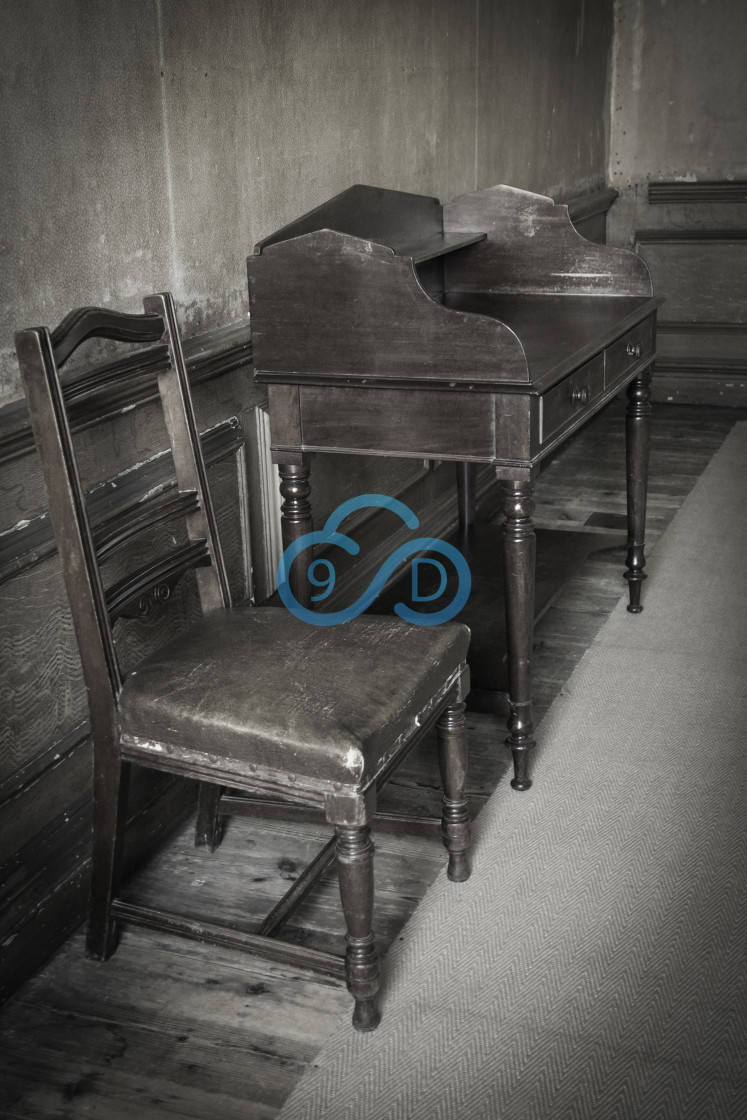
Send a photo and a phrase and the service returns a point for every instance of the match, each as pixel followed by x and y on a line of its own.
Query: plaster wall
pixel 678 105
pixel 147 144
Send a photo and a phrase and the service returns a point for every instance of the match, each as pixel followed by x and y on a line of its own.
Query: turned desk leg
pixel 295 520
pixel 638 439
pixel 519 562
pixel 466 489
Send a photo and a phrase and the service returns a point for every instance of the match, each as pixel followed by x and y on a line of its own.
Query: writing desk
pixel 486 330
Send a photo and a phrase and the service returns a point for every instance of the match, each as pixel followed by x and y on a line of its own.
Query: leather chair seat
pixel 277 696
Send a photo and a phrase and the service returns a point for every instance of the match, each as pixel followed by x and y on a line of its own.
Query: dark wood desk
pixel 486 330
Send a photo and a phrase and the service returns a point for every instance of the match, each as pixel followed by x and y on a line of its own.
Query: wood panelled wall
pixel 695 245
pixel 44 751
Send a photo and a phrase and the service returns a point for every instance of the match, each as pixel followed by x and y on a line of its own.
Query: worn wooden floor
pixel 169 1028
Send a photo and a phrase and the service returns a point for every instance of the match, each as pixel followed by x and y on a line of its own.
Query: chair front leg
pixel 355 854
pixel 456 827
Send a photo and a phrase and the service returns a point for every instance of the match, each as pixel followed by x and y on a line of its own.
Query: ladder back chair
pixel 251 701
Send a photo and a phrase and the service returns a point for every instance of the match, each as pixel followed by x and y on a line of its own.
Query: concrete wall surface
pixel 678 103
pixel 147 144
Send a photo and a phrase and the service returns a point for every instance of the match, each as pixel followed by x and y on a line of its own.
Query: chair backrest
pixel 83 546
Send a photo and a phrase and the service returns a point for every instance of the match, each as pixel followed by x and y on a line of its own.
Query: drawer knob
pixel 580 394
pixel 634 349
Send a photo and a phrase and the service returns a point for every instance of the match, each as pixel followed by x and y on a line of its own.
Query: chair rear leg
pixel 209 830
pixel 355 854
pixel 456 827
pixel 110 789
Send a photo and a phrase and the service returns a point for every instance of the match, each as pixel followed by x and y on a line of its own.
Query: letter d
pixel 416 596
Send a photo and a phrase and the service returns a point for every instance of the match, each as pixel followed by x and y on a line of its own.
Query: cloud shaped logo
pixel 321 572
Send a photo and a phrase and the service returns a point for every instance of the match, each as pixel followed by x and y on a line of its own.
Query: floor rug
pixel 595 965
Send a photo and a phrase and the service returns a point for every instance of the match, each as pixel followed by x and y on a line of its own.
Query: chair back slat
pixel 95 607
pixel 126 526
pixel 98 322
pixel 136 594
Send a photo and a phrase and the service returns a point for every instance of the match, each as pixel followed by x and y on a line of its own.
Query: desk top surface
pixel 552 335
pixel 557 333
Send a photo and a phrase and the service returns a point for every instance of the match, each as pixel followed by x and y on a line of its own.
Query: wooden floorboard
pixel 171 1028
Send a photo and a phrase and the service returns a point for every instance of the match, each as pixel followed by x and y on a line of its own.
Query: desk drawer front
pixel 405 422
pixel 572 397
pixel 629 353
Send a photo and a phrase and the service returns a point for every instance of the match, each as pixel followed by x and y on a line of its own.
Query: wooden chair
pixel 245 699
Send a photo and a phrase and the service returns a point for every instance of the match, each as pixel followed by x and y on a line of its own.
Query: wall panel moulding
pixel 698 192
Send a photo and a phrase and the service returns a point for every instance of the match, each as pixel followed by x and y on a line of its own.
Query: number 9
pixel 327 583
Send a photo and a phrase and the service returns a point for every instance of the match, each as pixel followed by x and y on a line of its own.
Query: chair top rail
pixel 98 322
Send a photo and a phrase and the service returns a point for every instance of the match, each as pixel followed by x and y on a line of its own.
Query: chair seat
pixel 256 692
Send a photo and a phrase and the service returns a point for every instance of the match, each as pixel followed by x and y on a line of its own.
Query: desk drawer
pixel 629 353
pixel 424 424
pixel 572 397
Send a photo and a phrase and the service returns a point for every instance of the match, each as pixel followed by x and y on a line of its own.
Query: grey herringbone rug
pixel 594 966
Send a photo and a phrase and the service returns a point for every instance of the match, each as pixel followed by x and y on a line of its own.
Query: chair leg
pixel 355 852
pixel 110 789
pixel 456 827
pixel 209 830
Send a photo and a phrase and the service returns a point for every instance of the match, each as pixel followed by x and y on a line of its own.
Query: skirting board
pixel 677 381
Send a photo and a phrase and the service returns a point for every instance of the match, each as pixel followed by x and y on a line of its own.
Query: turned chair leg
pixel 456 827
pixel 355 853
pixel 209 830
